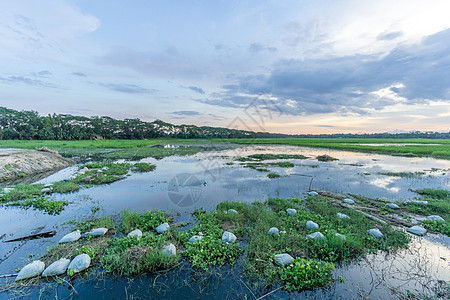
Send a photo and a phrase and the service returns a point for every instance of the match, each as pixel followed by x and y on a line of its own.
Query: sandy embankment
pixel 19 163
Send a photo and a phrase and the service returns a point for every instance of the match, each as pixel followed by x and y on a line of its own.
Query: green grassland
pixel 438 148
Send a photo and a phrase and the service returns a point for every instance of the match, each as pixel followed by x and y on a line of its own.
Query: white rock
pixel 291 211
pixel 105 168
pixel 316 235
pixel 422 202
pixel 417 230
pixel 283 259
pixel 195 238
pixel 169 250
pixel 313 193
pixel 232 211
pixel 342 216
pixel 162 228
pixel 436 218
pixel 71 237
pixel 273 231
pixel 48 185
pixel 6 190
pixel 312 225
pixel 375 232
pixel 46 190
pixel 97 231
pixel 31 270
pixel 228 237
pixel 348 201
pixel 137 233
pixel 283 232
pixel 392 206
pixel 342 236
pixel 57 268
pixel 79 263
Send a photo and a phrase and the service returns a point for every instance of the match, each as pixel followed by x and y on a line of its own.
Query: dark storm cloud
pixel 346 84
pixel 127 88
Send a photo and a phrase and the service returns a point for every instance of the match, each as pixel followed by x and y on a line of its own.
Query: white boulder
pixel 169 250
pixel 313 193
pixel 228 237
pixel 31 270
pixel 316 235
pixel 283 259
pixel 162 228
pixel 348 201
pixel 79 263
pixel 375 232
pixel 421 202
pixel 195 238
pixel 417 230
pixel 57 268
pixel 273 231
pixel 312 225
pixel 46 190
pixel 232 211
pixel 342 216
pixel 291 211
pixel 97 231
pixel 137 233
pixel 71 237
pixel 392 206
pixel 342 236
pixel 436 218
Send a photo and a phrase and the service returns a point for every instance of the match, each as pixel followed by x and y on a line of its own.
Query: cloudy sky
pixel 281 66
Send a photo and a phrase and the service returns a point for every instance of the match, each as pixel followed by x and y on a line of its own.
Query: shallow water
pixel 180 184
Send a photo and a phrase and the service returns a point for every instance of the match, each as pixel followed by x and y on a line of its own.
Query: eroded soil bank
pixel 20 163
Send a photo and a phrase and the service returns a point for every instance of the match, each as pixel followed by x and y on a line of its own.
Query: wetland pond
pixel 181 184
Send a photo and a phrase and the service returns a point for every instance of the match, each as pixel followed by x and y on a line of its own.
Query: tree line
pixel 29 125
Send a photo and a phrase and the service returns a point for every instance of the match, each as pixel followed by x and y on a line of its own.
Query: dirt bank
pixel 18 163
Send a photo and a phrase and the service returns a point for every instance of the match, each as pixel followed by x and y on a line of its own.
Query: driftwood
pixel 34 236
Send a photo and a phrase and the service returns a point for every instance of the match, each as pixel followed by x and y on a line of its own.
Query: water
pixel 208 181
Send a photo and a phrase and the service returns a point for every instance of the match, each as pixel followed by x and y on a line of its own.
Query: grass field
pixel 438 148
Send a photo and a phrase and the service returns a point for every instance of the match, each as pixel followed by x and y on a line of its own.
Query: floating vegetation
pixel 32 195
pixel 404 174
pixel 273 175
pixel 325 158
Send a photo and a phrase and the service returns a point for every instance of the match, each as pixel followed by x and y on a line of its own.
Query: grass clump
pixel 105 222
pixel 210 250
pixel 434 193
pixel 438 204
pixel 22 191
pixel 145 222
pixel 325 158
pixel 273 175
pixel 129 256
pixel 143 167
pixel 65 187
pixel 306 274
pixel 404 174
pixel 46 204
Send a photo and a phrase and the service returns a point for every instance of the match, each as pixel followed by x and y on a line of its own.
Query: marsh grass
pixel 46 204
pixel 438 204
pixel 145 222
pixel 273 175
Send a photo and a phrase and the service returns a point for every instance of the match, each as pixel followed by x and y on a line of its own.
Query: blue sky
pixel 280 66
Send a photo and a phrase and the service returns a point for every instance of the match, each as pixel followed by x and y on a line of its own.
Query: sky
pixel 302 66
